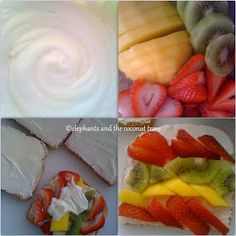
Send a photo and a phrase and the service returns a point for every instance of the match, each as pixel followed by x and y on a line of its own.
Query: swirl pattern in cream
pixel 61 59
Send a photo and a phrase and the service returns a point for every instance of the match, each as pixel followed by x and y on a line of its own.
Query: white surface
pixel 124 138
pixel 13 220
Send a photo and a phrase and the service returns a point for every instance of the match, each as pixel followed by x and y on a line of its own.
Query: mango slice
pixel 133 198
pixel 60 225
pixel 157 189
pixel 80 182
pixel 181 188
pixel 210 195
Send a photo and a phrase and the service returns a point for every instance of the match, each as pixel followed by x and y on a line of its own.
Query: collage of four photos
pixel 117 117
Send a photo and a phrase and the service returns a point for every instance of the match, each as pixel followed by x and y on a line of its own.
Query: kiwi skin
pixel 208 28
pixel 138 178
pixel 197 10
pixel 219 55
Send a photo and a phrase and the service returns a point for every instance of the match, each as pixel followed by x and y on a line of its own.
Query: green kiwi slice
pixel 209 28
pixel 224 181
pixel 203 171
pixel 159 174
pixel 138 178
pixel 197 10
pixel 219 55
pixel 181 7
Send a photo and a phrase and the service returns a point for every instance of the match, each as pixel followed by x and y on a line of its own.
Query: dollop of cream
pixel 72 199
pixel 61 59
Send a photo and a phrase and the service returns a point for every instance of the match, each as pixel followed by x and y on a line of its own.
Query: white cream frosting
pixel 21 161
pixel 72 199
pixel 52 131
pixel 97 148
pixel 58 58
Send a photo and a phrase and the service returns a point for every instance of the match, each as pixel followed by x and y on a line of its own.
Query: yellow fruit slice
pixel 210 195
pixel 157 189
pixel 156 60
pixel 80 182
pixel 181 188
pixel 60 225
pixel 133 198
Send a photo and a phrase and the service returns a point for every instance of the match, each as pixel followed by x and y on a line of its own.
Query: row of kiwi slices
pixel 218 173
pixel 211 31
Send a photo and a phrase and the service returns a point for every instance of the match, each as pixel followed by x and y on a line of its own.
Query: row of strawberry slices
pixel 193 92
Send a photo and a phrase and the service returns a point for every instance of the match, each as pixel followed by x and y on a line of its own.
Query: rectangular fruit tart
pixel 179 176
pixel 67 205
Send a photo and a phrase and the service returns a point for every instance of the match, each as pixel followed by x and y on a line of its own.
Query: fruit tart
pixel 180 176
pixel 67 205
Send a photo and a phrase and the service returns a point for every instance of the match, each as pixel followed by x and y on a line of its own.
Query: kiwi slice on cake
pixel 203 171
pixel 180 166
pixel 181 7
pixel 197 10
pixel 209 28
pixel 159 174
pixel 219 55
pixel 224 181
pixel 138 177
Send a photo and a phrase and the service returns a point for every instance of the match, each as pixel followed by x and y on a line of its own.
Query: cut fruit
pixel 60 225
pixel 224 181
pixel 208 28
pixel 197 10
pixel 125 106
pixel 179 187
pixel 159 174
pixel 133 198
pixel 156 60
pixel 138 178
pixel 157 189
pixel 220 55
pixel 210 195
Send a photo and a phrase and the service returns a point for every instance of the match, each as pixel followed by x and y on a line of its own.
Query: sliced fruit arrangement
pixel 67 205
pixel 180 185
pixel 194 91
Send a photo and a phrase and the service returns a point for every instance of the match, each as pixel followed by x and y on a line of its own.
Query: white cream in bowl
pixel 58 58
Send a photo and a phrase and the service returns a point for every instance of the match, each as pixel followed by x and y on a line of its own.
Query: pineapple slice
pixel 210 195
pixel 133 198
pixel 156 60
pixel 157 189
pixel 181 188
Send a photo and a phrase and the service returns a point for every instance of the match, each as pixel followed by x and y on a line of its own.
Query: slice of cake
pixel 52 131
pixel 21 162
pixel 95 142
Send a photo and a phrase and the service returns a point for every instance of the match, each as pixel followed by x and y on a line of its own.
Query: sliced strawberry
pixel 46 195
pixel 191 112
pixel 211 143
pixel 191 105
pixel 206 111
pixel 195 63
pixel 135 212
pixel 95 225
pixel 190 89
pixel 170 108
pixel 57 184
pixel 147 98
pixel 162 214
pixel 38 211
pixel 97 207
pixel 213 84
pixel 180 210
pixel 45 227
pixel 205 215
pixel 69 176
pixel 124 103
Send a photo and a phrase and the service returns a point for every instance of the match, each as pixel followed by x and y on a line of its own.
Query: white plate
pixel 13 211
pixel 124 138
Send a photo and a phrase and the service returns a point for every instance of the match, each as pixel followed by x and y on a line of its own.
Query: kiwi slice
pixel 224 181
pixel 197 10
pixel 219 55
pixel 159 174
pixel 138 178
pixel 180 166
pixel 203 171
pixel 181 7
pixel 209 28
